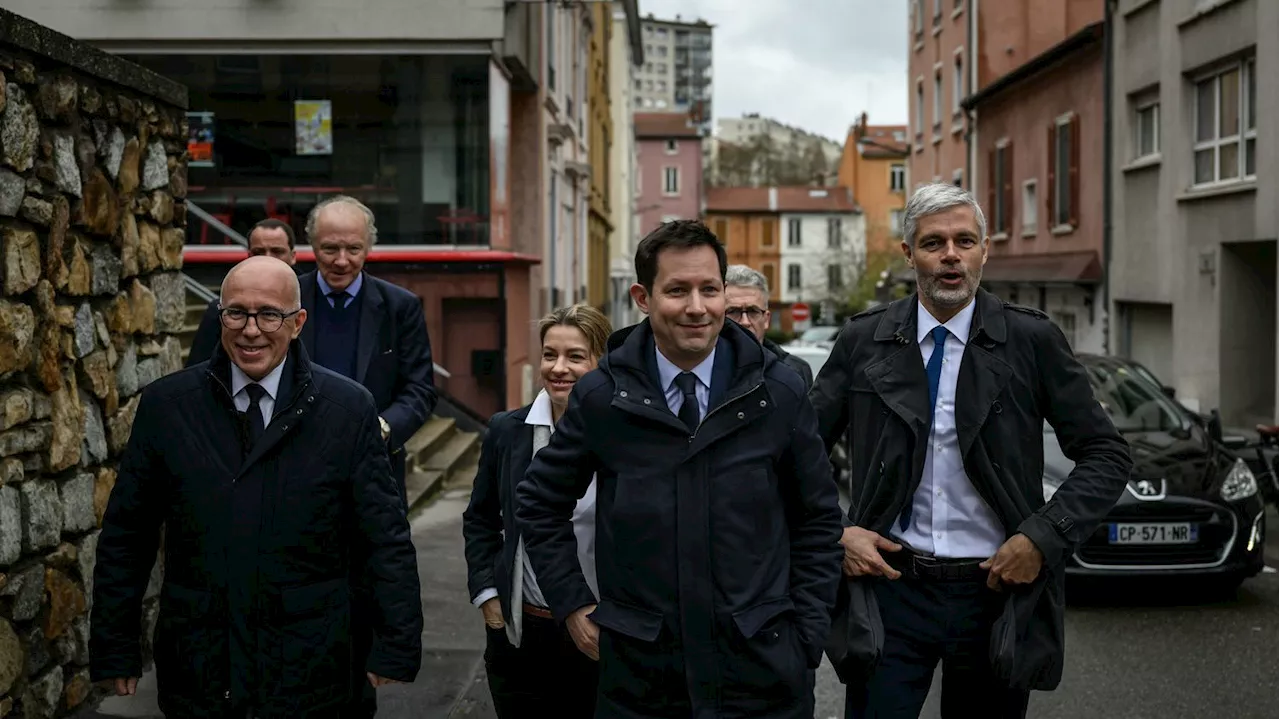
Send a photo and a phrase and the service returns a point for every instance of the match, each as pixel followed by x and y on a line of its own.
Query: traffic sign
pixel 800 312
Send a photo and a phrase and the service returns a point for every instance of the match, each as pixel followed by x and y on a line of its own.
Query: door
pixel 473 353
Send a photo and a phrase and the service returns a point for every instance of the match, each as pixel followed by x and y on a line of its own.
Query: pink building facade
pixel 669 170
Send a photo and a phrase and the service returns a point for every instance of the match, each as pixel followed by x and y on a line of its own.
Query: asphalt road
pixel 1137 652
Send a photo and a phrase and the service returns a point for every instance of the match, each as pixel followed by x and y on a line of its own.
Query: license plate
pixel 1176 533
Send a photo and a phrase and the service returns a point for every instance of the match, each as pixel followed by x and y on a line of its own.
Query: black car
pixel 1191 508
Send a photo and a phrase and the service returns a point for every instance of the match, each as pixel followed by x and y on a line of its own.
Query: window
pixel 662 67
pixel 1226 125
pixel 793 276
pixel 919 108
pixel 671 180
pixel 957 84
pixel 673 146
pixel 897 177
pixel 1029 207
pixel 669 218
pixel 937 12
pixel 834 233
pixel 1000 190
pixel 766 235
pixel 1146 130
pixel 835 278
pixel 917 12
pixel 895 222
pixel 770 275
pixel 793 232
pixel 1064 172
pixel 957 178
pixel 937 100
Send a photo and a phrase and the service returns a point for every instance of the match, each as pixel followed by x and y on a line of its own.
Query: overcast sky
pixel 816 64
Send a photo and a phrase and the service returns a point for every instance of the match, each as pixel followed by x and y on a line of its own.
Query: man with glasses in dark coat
pixel 270 477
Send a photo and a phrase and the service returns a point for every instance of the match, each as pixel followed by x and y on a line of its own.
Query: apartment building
pixel 676 75
pixel 626 50
pixel 873 165
pixel 1194 212
pixel 669 169
pixel 941 74
pixel 1040 123
pixel 808 242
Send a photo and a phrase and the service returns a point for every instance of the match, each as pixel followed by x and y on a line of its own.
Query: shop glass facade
pixel 407 135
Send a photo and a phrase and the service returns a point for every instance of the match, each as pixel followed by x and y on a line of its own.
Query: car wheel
pixel 1225 588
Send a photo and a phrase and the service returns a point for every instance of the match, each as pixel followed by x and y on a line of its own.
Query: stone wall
pixel 92 181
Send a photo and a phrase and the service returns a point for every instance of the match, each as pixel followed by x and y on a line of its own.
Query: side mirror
pixel 1170 392
pixel 1214 425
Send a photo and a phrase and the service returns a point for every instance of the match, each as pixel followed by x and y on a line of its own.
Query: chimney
pixel 773 199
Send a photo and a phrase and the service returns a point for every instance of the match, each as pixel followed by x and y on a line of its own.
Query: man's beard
pixel 931 288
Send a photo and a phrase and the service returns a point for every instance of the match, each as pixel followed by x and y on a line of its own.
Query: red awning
pixel 227 255
pixel 1058 268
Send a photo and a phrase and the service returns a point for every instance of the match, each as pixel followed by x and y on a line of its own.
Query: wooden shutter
pixel 1007 188
pixel 992 179
pixel 1050 196
pixel 1075 172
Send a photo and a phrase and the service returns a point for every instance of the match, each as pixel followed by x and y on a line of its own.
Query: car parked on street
pixel 821 336
pixel 1191 508
pixel 816 355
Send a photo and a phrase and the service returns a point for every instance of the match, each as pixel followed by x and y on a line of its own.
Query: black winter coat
pixel 254 609
pixel 718 552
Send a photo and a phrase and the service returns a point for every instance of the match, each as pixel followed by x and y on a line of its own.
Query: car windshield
pixel 1135 403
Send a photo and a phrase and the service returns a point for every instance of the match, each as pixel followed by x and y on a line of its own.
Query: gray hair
pixel 743 276
pixel 934 198
pixel 371 230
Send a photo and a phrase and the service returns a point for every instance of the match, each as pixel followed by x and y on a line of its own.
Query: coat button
pixel 741 415
pixel 764 403
pixel 623 393
pixel 647 401
pixel 997 408
pixel 299 411
pixel 312 398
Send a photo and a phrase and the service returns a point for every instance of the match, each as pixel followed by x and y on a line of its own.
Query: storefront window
pixel 407 135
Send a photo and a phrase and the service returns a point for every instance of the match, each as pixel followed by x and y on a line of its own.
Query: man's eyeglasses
pixel 267 320
pixel 736 313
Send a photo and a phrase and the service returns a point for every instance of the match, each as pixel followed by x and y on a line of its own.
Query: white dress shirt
pixel 948 516
pixel 270 383
pixel 667 373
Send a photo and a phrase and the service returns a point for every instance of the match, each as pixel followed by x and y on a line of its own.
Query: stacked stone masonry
pixel 92 217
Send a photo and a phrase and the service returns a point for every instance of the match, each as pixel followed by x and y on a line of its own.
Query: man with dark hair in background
pixel 718 524
pixel 269 237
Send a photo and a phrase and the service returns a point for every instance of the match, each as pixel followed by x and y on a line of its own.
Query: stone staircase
pixel 441 455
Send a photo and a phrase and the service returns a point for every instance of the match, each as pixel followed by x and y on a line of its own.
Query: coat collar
pixel 631 348
pixel 898 324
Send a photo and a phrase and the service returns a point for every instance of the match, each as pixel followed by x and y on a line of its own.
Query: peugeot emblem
pixel 1146 488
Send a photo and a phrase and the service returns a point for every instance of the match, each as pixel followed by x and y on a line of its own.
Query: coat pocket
pixel 630 653
pixel 314 629
pixel 764 665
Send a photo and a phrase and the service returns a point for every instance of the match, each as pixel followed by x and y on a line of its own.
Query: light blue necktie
pixel 934 372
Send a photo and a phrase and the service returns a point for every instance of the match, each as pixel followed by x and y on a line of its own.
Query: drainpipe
pixel 1108 82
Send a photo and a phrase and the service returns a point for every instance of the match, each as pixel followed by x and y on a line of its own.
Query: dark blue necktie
pixel 934 372
pixel 687 383
pixel 339 299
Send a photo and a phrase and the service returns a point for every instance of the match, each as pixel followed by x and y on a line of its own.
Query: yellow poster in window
pixel 313 127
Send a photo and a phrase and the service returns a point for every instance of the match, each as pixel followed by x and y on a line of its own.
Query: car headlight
pixel 1240 482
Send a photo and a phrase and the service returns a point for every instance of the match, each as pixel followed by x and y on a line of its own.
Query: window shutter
pixel 1051 193
pixel 1007 189
pixel 1075 171
pixel 992 179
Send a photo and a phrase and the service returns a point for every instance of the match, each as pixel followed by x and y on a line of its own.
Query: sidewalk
pixel 451 683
